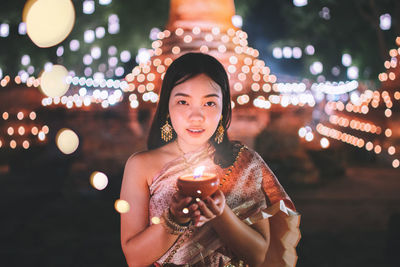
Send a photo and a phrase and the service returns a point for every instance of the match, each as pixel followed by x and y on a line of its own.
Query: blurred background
pixel 315 88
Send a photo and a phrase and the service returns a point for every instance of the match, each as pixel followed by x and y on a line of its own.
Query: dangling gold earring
pixel 219 136
pixel 166 131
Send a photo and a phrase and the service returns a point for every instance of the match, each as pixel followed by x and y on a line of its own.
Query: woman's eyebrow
pixel 181 94
pixel 211 95
pixel 186 95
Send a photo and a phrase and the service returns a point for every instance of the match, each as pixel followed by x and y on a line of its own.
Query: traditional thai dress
pixel 252 192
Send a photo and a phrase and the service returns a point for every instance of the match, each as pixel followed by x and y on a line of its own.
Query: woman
pixel 249 220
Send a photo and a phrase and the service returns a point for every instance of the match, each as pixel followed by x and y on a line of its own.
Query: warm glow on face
pixel 98 180
pixel 67 141
pixel 195 108
pixel 53 82
pixel 48 22
pixel 122 206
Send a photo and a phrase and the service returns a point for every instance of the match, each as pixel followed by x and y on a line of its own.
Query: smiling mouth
pixel 196 130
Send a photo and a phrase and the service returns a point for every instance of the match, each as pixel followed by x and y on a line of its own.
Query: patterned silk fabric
pixel 252 192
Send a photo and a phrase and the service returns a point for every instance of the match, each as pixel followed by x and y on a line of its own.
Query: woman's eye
pixel 182 102
pixel 210 104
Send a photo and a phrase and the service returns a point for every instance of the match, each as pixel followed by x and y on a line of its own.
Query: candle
pixel 198 184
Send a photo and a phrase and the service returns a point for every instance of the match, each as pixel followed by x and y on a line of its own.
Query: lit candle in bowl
pixel 199 184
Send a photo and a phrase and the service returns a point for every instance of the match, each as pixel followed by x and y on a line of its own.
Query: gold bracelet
pixel 171 226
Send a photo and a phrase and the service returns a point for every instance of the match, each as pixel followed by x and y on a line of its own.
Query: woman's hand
pixel 179 208
pixel 209 208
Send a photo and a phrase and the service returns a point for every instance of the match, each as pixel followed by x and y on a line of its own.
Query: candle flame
pixel 198 172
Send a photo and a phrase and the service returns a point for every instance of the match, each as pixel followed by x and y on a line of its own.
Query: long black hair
pixel 182 69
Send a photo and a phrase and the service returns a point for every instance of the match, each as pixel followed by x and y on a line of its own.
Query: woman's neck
pixel 185 148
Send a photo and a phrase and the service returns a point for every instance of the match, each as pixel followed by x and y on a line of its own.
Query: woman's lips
pixel 195 131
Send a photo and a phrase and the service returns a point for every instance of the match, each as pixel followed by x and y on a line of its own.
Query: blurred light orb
pixel 112 51
pixel 324 142
pixel 105 2
pixel 53 83
pixel 155 220
pixel 95 52
pixel 277 52
pixel 237 21
pixel 67 141
pixel 287 52
pixel 346 60
pixel 316 68
pixel 22 28
pixel 74 45
pixel 300 3
pixel 4 30
pixel 122 206
pixel 25 60
pixel 309 136
pixel 88 7
pixel 125 56
pixel 310 50
pixel 143 56
pixel 297 52
pixel 48 66
pixel 352 72
pixel 154 33
pixel 385 22
pixel 302 132
pixel 89 36
pixel 100 32
pixel 41 136
pixel 99 180
pixel 48 22
pixel 395 163
pixel 335 71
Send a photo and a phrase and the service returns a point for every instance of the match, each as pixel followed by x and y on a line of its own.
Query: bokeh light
pixel 67 141
pixel 48 22
pixel 53 82
pixel 99 180
pixel 122 206
pixel 324 142
pixel 155 220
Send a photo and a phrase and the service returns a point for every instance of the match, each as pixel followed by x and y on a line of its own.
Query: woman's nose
pixel 196 114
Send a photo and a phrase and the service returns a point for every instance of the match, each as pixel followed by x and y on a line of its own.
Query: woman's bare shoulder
pixel 148 163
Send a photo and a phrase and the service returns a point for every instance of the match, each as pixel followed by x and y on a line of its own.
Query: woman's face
pixel 195 108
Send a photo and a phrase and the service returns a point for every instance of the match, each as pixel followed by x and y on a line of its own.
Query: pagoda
pixel 206 26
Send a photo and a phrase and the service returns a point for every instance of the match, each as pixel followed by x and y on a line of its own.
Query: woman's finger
pixel 204 210
pixel 213 207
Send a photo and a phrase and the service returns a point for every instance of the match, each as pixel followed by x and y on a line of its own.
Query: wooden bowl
pixel 200 187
